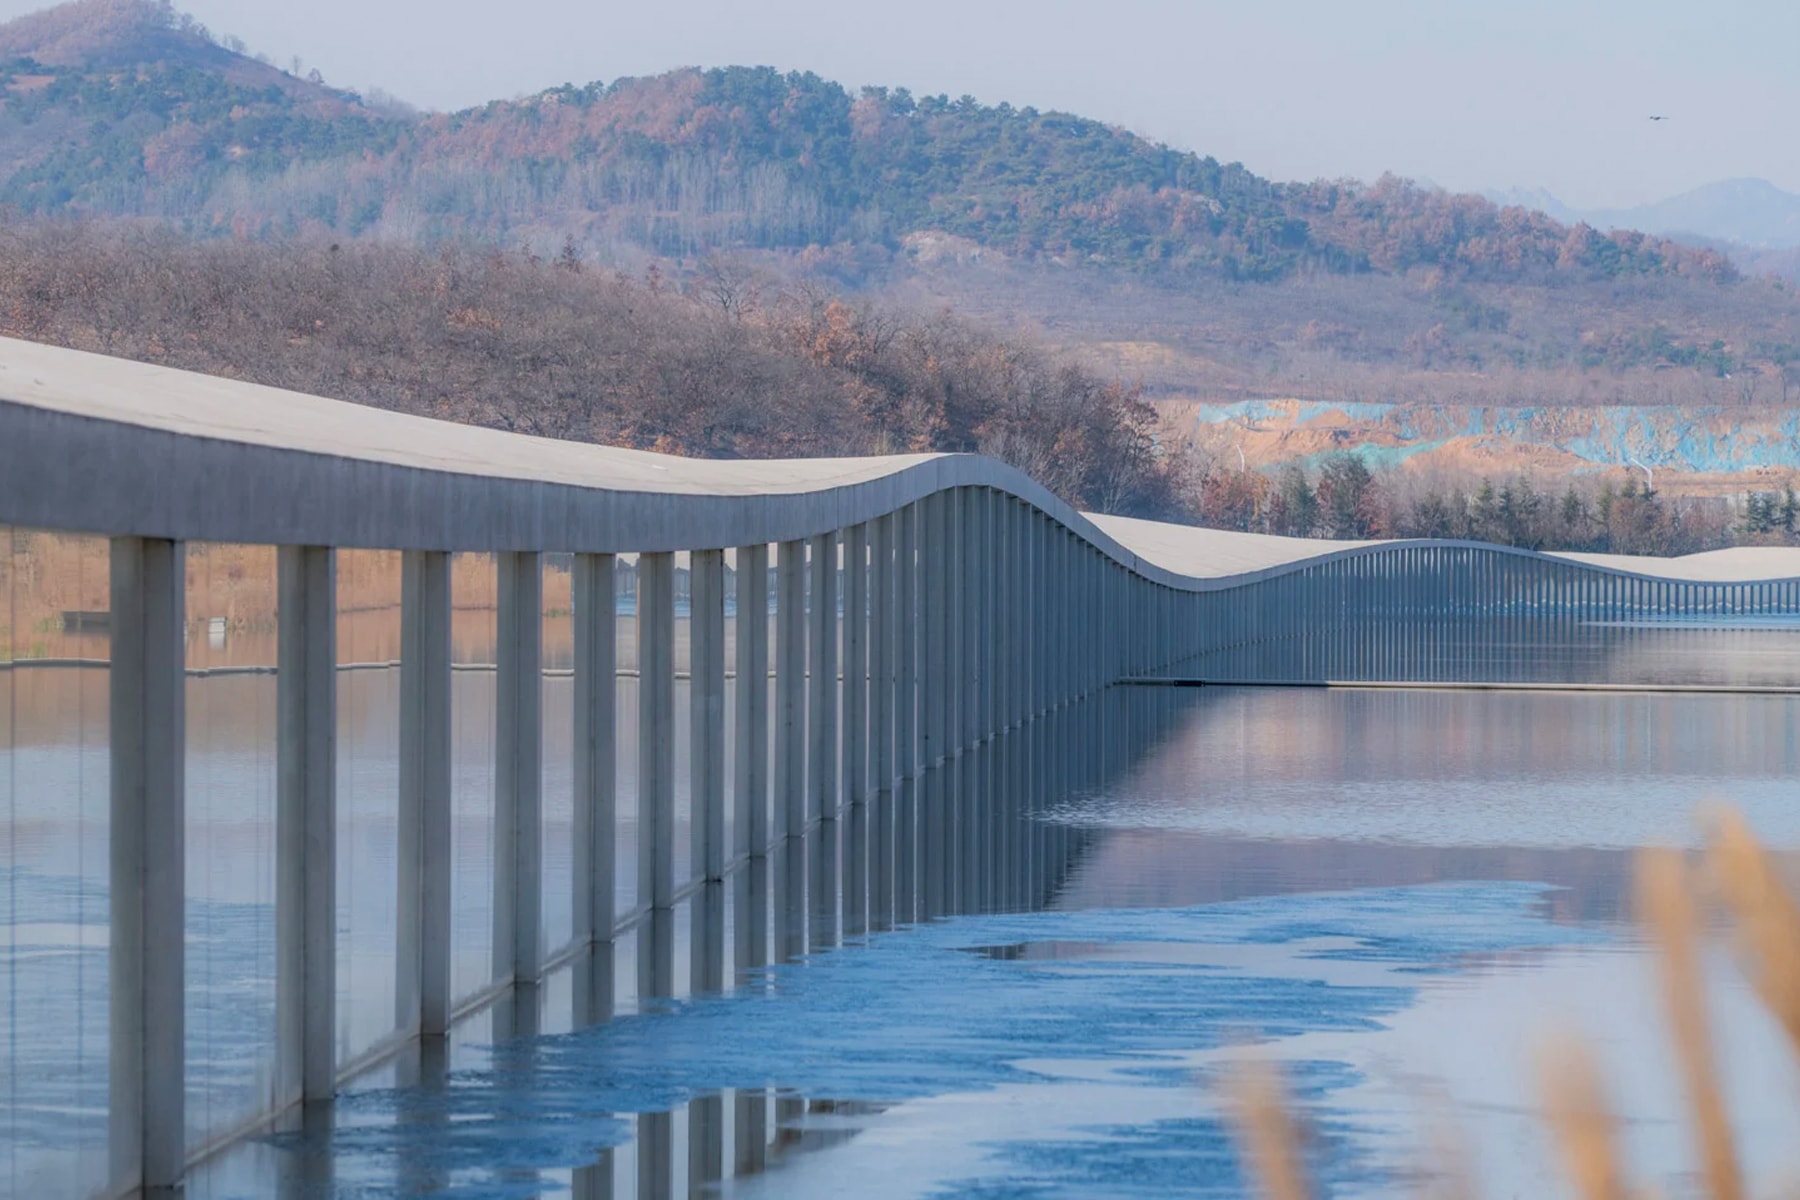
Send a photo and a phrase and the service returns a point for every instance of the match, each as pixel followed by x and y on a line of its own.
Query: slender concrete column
pixel 306 823
pixel 1044 585
pixel 959 679
pixel 790 684
pixel 706 693
pixel 936 713
pixel 1030 609
pixel 969 836
pixel 856 728
pixel 932 625
pixel 856 641
pixel 518 770
pixel 706 747
pixel 147 1134
pixel 750 794
pixel 1004 779
pixel 824 800
pixel 882 718
pixel 656 766
pixel 822 699
pixel 422 925
pixel 790 746
pixel 596 775
pixel 906 713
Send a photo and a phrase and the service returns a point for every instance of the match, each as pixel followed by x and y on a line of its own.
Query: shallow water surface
pixel 1399 895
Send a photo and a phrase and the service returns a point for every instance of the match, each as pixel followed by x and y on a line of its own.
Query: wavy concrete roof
pixel 108 445
pixel 1217 553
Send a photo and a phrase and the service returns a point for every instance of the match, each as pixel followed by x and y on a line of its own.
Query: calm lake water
pixel 1398 894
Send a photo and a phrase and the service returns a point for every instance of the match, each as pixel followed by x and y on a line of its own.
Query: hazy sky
pixel 1469 94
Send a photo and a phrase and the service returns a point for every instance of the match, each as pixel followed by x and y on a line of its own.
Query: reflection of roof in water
pixel 1218 553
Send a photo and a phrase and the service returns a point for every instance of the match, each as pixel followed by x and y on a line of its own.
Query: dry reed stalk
pixel 1768 930
pixel 1582 1124
pixel 1267 1136
pixel 1453 1173
pixel 1767 916
pixel 1666 905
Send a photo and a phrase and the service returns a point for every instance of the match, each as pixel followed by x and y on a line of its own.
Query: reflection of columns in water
pixel 305 1170
pixel 706 1141
pixel 517 1016
pixel 593 985
pixel 655 1156
pixel 750 1129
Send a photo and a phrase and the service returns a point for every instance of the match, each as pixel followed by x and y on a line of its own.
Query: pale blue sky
pixel 1471 95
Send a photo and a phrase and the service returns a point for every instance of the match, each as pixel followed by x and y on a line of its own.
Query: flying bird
pixel 1659 118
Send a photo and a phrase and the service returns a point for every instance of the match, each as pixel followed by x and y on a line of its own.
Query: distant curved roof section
pixel 1215 553
pixel 1735 564
pixel 1224 553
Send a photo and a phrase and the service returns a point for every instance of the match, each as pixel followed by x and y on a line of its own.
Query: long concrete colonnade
pixel 936 629
pixel 977 611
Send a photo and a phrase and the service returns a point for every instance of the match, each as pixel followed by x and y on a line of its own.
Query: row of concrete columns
pixel 882 726
pixel 890 744
pixel 1450 613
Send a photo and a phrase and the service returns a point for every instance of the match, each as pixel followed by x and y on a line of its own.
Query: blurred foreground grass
pixel 1736 878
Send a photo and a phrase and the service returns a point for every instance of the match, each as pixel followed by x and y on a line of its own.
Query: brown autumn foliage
pixel 719 368
pixel 730 363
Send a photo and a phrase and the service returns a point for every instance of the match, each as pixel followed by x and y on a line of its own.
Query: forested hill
pixel 125 108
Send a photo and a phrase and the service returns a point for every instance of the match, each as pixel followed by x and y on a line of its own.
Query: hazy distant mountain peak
pixel 1747 212
pixel 93 34
pixel 1534 200
pixel 700 160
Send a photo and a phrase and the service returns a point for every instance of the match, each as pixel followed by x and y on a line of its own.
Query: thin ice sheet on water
pixel 912 1014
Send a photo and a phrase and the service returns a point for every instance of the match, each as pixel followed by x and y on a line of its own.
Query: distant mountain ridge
pixel 126 108
pixel 1195 277
pixel 1753 213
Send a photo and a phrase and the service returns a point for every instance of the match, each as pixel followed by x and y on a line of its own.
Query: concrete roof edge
pixel 108 446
